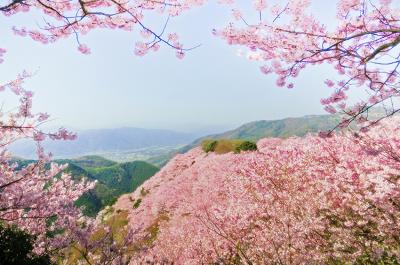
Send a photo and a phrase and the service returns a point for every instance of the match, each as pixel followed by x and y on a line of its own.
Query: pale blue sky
pixel 212 88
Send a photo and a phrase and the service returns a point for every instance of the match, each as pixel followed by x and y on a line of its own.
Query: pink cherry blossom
pixel 32 194
pixel 260 5
pixel 83 49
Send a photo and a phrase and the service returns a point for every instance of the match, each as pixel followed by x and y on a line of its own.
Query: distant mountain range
pixel 158 146
pixel 102 141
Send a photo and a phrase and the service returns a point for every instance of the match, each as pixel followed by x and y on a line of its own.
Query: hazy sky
pixel 212 88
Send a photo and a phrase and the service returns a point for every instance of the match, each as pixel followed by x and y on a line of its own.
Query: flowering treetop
pixel 72 18
pixel 363 48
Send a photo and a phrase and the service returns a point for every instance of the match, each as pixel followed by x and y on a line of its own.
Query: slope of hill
pixel 113 179
pixel 284 128
pixel 253 131
pixel 256 130
pixel 105 141
pixel 89 161
pixel 209 208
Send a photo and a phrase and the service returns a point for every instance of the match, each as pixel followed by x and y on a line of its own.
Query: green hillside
pixel 284 128
pixel 281 128
pixel 113 179
pixel 254 131
pixel 92 161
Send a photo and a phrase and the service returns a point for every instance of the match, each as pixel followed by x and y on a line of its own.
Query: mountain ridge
pixel 255 130
pixel 282 128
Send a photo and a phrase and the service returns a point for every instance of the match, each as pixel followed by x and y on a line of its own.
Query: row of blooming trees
pixel 304 200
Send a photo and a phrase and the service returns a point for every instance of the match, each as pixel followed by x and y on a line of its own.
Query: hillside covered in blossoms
pixel 308 200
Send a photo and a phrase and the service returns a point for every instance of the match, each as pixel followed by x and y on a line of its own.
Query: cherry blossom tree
pixel 363 48
pixel 36 198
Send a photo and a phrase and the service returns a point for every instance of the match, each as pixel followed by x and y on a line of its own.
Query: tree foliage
pixel 209 145
pixel 246 146
pixel 16 248
pixel 223 146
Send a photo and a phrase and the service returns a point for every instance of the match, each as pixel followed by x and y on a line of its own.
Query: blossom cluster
pixel 76 18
